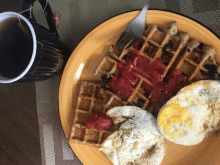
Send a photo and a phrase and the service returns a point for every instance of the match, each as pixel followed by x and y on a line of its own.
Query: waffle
pixel 90 100
pixel 192 62
pixel 159 44
pixel 174 51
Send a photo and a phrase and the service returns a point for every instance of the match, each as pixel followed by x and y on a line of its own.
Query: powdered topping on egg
pixel 137 141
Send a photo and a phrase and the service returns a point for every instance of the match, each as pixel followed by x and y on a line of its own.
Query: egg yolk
pixel 174 117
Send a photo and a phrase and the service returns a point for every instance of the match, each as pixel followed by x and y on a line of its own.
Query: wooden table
pixel 19 130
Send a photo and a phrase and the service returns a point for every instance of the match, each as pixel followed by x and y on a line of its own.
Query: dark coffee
pixel 16 47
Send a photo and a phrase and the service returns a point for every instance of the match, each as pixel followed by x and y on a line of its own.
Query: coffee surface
pixel 16 47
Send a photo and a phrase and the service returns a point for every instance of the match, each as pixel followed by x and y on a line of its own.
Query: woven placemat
pixel 78 18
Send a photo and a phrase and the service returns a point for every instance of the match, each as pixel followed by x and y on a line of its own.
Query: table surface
pixel 19 130
pixel 30 110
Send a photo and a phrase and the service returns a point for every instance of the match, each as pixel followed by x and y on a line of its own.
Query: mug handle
pixel 28 6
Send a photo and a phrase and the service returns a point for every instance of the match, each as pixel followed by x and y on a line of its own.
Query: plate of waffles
pixel 177 42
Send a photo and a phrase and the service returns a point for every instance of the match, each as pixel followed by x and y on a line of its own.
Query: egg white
pixel 138 135
pixel 201 100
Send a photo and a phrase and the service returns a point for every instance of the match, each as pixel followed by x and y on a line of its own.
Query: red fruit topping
pixel 98 121
pixel 163 91
pixel 90 122
pixel 103 123
pixel 121 86
pixel 124 83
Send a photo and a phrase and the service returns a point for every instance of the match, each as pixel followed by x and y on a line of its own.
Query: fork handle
pixel 143 12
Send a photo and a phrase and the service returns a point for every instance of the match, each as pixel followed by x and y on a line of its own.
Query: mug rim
pixel 33 52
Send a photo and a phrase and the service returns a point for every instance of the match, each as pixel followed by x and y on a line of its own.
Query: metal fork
pixel 134 31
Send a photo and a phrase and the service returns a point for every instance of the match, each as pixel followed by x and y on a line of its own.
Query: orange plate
pixel 86 57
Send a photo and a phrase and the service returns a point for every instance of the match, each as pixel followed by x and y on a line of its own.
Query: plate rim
pixel 73 56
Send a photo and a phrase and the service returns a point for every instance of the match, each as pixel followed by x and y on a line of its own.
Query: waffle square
pixel 194 57
pixel 90 100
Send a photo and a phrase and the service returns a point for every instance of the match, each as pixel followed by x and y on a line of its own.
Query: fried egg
pixel 192 114
pixel 138 140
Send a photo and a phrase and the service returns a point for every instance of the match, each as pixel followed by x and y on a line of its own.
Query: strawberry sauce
pixel 98 121
pixel 161 90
